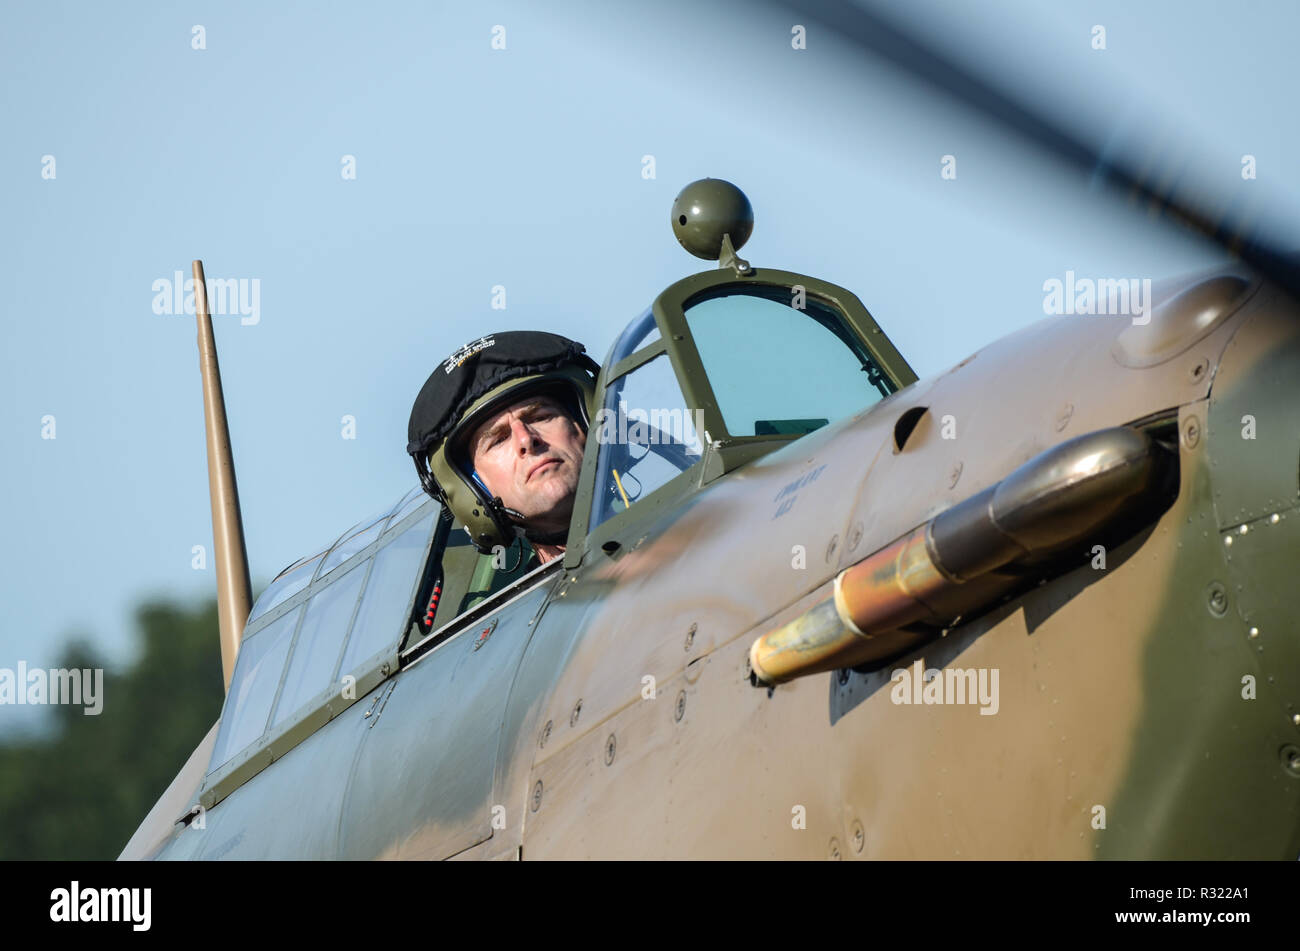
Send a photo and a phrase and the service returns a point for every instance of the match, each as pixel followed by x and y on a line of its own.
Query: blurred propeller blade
pixel 1116 172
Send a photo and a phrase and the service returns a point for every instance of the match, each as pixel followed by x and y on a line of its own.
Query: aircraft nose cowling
pixel 951 565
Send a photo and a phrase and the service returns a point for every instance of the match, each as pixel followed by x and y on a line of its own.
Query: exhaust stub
pixel 952 564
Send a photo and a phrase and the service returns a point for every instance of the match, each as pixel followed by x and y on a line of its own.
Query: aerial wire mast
pixel 233 589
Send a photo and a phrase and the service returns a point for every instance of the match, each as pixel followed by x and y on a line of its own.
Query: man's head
pixel 529 454
pixel 498 431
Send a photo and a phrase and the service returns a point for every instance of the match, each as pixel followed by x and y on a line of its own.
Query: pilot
pixel 497 435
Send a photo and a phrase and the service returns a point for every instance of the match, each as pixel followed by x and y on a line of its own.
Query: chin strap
pixel 518 518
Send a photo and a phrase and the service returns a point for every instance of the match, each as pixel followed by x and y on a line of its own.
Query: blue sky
pixel 519 167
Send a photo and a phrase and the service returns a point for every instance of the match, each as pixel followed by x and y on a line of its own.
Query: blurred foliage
pixel 81 791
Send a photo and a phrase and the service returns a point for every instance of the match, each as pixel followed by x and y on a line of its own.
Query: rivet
pixel 859 837
pixel 834 852
pixel 1296 719
pixel 610 746
pixel 843 675
pixel 855 536
pixel 690 635
pixel 1254 633
pixel 830 548
pixel 1244 529
pixel 1275 518
pixel 1191 432
pixel 1218 600
pixel 1227 540
pixel 537 796
pixel 680 710
pixel 546 733
pixel 1199 370
pixel 577 711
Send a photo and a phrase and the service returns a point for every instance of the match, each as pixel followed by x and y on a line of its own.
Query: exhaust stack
pixel 967 558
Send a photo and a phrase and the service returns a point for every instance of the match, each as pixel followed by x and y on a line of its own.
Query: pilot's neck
pixel 547 553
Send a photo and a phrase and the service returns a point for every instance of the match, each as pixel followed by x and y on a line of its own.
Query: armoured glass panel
pixel 777 369
pixel 252 688
pixel 388 594
pixel 353 543
pixel 647 435
pixel 319 641
pixel 286 584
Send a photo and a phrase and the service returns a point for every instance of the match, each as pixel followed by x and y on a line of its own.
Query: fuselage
pixel 1140 706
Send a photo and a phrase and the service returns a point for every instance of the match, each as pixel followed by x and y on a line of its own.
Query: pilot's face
pixel 530 454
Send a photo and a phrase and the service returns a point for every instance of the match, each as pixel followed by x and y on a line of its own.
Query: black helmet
pixel 463 391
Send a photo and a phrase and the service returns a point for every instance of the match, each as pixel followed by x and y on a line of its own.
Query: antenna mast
pixel 233 598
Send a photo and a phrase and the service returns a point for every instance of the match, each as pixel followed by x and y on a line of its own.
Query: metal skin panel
pixel 1119 688
pixel 422 781
pixel 1261 578
pixel 525 727
pixel 1257 476
pixel 673 788
pixel 288 811
pixel 1256 486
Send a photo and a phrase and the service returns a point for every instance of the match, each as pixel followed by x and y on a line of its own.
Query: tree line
pixel 81 790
